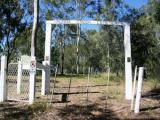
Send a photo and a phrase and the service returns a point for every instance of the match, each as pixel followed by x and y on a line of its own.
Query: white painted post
pixel 3 85
pixel 128 64
pixel 139 89
pixel 19 77
pixel 46 73
pixel 134 88
pixel 45 79
pixel 48 43
pixel 32 80
pixel 43 91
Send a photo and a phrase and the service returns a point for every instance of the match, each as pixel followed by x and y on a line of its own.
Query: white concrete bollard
pixel 45 79
pixel 139 89
pixel 3 85
pixel 19 77
pixel 32 80
pixel 134 89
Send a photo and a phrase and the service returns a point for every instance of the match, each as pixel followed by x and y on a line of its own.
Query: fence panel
pixel 12 83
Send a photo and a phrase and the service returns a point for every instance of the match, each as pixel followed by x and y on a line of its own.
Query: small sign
pixel 33 66
pixel 46 58
pixel 128 59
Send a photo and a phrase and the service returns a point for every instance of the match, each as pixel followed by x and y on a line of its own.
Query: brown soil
pixel 102 104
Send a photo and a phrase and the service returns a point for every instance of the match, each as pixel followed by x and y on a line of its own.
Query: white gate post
pixel 19 77
pixel 46 73
pixel 45 79
pixel 128 62
pixel 139 89
pixel 3 85
pixel 32 80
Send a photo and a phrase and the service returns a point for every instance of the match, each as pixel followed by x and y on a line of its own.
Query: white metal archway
pixel 127 48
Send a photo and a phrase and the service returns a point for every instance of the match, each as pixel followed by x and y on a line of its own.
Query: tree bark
pixel 62 44
pixel 35 28
pixel 78 39
pixel 62 55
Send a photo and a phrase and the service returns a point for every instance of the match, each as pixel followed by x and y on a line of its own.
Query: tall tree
pixel 35 28
pixel 11 25
pixel 145 47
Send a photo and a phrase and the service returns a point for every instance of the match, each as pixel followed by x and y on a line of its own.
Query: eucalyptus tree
pixel 153 9
pixel 67 9
pixel 79 9
pixel 11 24
pixel 145 45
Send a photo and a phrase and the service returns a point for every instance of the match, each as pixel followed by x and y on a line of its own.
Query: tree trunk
pixel 62 55
pixel 62 44
pixel 8 50
pixel 78 39
pixel 35 28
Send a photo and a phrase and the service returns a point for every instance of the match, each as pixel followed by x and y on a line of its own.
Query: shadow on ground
pixel 90 86
pixel 11 110
pixel 86 112
pixel 150 108
pixel 153 98
pixel 70 93
pixel 153 94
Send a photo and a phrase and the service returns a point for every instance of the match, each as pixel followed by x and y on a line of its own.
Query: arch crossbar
pixel 85 22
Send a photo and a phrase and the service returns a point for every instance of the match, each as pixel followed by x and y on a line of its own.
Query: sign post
pixel 32 80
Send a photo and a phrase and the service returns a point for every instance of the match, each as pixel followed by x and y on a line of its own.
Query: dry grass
pixel 95 107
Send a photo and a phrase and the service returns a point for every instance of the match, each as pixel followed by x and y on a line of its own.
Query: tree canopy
pixel 94 45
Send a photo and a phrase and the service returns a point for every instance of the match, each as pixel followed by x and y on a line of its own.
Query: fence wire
pixel 64 92
pixel 12 83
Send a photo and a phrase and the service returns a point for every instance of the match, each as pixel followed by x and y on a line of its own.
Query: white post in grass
pixel 128 62
pixel 134 88
pixel 46 73
pixel 45 79
pixel 32 80
pixel 139 89
pixel 3 85
pixel 19 77
pixel 43 91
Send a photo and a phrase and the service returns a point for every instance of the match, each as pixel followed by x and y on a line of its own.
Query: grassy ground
pixel 95 102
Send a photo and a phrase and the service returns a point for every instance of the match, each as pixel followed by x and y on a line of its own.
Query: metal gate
pixel 12 75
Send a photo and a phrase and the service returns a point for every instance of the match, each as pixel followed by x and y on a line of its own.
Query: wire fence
pixel 12 83
pixel 68 89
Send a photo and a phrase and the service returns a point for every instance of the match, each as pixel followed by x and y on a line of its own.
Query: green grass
pixel 152 82
pixel 94 78
pixel 38 106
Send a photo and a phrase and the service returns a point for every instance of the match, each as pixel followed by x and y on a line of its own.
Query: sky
pixel 132 3
pixel 136 3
